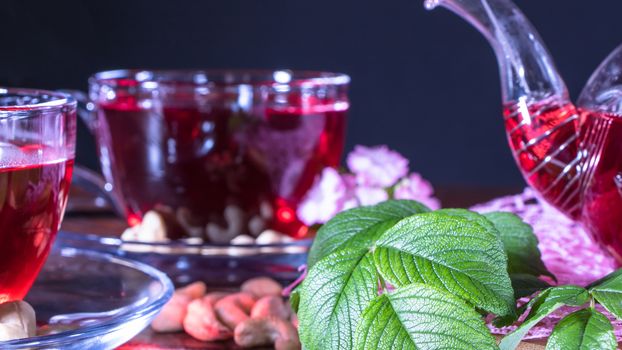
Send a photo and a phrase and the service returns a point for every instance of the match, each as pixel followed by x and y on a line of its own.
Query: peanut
pixel 270 306
pixel 234 308
pixel 261 287
pixel 236 250
pixel 17 320
pixel 171 318
pixel 173 313
pixel 256 225
pixel 243 240
pixel 267 331
pixel 213 297
pixel 273 237
pixel 234 216
pixel 162 219
pixel 192 226
pixel 194 290
pixel 201 321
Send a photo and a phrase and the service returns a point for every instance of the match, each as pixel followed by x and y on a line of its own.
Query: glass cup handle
pixel 86 108
pixel 85 178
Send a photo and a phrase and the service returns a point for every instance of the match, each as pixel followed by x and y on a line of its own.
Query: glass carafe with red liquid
pixel 37 145
pixel 570 154
pixel 226 152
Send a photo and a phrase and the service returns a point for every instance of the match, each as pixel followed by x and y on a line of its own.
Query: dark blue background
pixel 422 82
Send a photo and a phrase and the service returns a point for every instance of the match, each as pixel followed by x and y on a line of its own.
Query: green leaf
pixel 541 306
pixel 615 274
pixel 525 285
pixel 457 253
pixel 609 293
pixel 520 244
pixel 421 317
pixel 294 299
pixel 341 230
pixel 333 296
pixel 585 329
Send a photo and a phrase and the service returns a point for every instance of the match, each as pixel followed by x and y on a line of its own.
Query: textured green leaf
pixel 333 296
pixel 525 285
pixel 614 275
pixel 421 317
pixel 457 253
pixel 585 329
pixel 609 293
pixel 480 219
pixel 520 244
pixel 542 305
pixel 345 226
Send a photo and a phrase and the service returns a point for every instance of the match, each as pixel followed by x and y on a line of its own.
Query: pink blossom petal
pixel 323 200
pixel 377 166
pixel 370 195
pixel 415 187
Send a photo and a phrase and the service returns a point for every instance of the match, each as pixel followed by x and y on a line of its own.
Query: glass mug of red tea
pixel 225 152
pixel 37 147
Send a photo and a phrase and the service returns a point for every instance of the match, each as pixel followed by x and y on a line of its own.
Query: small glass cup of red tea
pixel 37 147
pixel 224 150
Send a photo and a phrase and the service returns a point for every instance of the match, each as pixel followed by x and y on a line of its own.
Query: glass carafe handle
pixel 85 178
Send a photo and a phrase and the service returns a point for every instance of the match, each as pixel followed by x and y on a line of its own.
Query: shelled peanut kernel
pixel 256 315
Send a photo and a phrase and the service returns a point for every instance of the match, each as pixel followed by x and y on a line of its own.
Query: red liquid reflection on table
pixel 32 202
pixel 214 157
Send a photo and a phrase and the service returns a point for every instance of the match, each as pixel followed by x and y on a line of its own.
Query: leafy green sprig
pixel 399 276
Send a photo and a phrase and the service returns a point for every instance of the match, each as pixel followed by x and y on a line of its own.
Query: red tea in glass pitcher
pixel 228 151
pixel 602 165
pixel 37 141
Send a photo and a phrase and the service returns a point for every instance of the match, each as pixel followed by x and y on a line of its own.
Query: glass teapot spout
pixel 526 68
pixel 541 123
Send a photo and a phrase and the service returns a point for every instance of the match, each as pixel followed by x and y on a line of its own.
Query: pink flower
pixel 325 199
pixel 374 170
pixel 368 195
pixel 416 188
pixel 377 166
pixel 350 200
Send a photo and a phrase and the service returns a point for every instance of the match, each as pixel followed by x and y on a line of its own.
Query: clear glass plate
pixel 218 265
pixel 96 300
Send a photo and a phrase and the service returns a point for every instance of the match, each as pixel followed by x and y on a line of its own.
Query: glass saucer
pixel 218 265
pixel 92 300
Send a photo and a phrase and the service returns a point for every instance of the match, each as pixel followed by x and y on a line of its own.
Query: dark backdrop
pixel 422 82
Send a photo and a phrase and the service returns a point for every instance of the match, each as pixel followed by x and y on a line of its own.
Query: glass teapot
pixel 571 154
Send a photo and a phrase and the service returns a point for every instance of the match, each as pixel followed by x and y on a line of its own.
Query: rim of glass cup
pixel 152 79
pixel 49 100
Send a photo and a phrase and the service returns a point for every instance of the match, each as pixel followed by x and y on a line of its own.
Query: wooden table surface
pixel 85 216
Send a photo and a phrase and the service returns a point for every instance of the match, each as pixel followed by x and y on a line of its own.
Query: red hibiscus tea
pixel 37 145
pixel 32 202
pixel 235 154
pixel 573 158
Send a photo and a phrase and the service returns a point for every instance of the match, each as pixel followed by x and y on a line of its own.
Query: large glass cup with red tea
pixel 226 151
pixel 37 145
